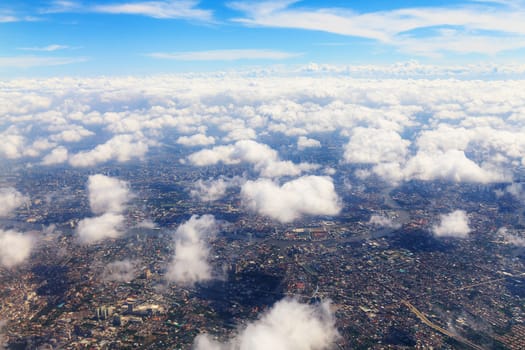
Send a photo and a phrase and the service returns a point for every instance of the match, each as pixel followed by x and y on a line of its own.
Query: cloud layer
pixel 396 130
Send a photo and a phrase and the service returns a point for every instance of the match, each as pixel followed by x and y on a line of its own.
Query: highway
pixel 434 326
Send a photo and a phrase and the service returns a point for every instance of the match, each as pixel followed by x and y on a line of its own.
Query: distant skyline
pixel 91 38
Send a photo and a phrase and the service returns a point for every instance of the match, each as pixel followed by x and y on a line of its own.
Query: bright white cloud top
pixel 107 194
pixel 287 325
pixel 108 198
pixel 307 195
pixel 15 247
pixel 397 130
pixel 190 263
pixel 454 224
pixel 98 228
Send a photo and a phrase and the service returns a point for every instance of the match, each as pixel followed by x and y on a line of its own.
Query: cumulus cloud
pixel 304 142
pixel 11 199
pixel 71 133
pixel 307 195
pixel 212 190
pixel 121 148
pixel 120 271
pixel 190 263
pixel 265 159
pixel 454 224
pixel 368 145
pixel 451 165
pixel 383 221
pixel 397 129
pixel 96 229
pixel 15 247
pixel 13 144
pixel 37 147
pixel 196 140
pixel 58 155
pixel 287 325
pixel 107 194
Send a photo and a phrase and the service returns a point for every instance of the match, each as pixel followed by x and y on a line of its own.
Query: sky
pixel 129 37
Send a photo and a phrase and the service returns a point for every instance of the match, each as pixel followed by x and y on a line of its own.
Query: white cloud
pixel 48 48
pixel 107 194
pixel 37 61
pixel 240 134
pixel 288 325
pixel 10 200
pixel 196 140
pixel 307 195
pixel 162 9
pixel 15 247
pixel 72 133
pixel 304 142
pixel 265 159
pixel 108 197
pixel 13 144
pixel 369 145
pixel 93 230
pixel 454 224
pixel 190 263
pixel 225 55
pixel 212 190
pixel 451 165
pixel 399 27
pixel 37 147
pixel 58 155
pixel 121 148
pixel 383 221
pixel 120 271
pixel 455 130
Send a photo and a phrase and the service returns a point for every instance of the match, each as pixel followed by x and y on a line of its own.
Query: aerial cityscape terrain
pixel 202 198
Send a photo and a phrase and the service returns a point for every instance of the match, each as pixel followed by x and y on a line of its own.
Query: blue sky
pixel 116 37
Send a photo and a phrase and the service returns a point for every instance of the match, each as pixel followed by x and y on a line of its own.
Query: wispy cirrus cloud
pixel 9 16
pixel 163 9
pixel 485 28
pixel 158 9
pixel 48 48
pixel 225 55
pixel 37 61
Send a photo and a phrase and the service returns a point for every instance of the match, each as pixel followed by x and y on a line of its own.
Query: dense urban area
pixel 389 281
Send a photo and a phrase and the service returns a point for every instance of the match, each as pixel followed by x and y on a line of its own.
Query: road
pixel 434 326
